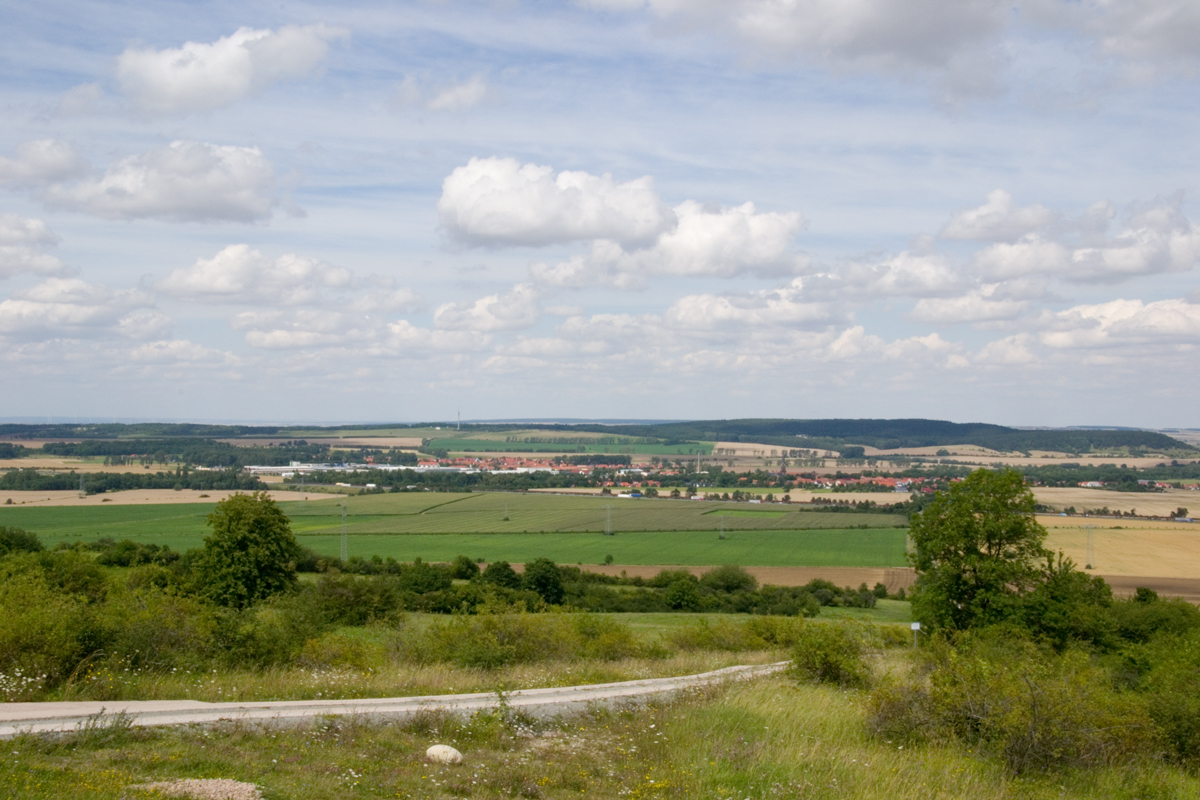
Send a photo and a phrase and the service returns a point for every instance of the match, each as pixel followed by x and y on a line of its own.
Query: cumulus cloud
pixel 72 308
pixel 517 308
pixel 1156 239
pixel 784 307
pixel 999 220
pixel 981 305
pixel 1121 323
pixel 704 242
pixel 42 161
pixel 493 202
pixel 241 274
pixel 305 329
pixel 20 241
pixel 184 182
pixel 203 76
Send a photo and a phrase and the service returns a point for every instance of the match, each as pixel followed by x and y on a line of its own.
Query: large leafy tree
pixel 977 550
pixel 250 554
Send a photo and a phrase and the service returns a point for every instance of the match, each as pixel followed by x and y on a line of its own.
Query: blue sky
pixel 960 209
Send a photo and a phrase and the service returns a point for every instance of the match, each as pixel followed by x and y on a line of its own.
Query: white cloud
pixel 1156 239
pixel 184 182
pixel 978 306
pixel 19 239
pixel 905 274
pixel 704 242
pixel 999 220
pixel 784 307
pixel 1122 323
pixel 71 308
pixel 517 308
pixel 1009 351
pixel 200 76
pixel 42 161
pixel 240 274
pixel 500 202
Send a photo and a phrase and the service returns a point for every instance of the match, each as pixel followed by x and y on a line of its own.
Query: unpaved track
pixel 16 718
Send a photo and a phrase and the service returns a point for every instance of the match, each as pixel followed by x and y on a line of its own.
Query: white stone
pixel 443 754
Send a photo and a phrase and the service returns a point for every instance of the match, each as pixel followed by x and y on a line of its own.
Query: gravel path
pixel 18 718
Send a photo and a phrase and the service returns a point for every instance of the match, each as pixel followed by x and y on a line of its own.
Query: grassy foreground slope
pixel 766 739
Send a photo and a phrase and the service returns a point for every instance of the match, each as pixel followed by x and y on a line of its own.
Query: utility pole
pixel 345 542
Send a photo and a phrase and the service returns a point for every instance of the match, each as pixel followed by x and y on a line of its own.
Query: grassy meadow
pixel 518 527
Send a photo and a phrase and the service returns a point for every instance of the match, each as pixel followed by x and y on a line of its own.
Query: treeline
pixel 101 482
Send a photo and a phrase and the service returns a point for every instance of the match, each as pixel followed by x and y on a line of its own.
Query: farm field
pixel 516 528
pixel 1153 503
pixel 817 548
pixel 501 446
pixel 141 497
pixel 1133 547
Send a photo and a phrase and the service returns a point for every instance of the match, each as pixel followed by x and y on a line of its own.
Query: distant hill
pixel 884 434
pixel 890 434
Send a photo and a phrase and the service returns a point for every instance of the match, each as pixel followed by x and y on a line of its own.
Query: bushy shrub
pixel 18 540
pixel 501 636
pixel 683 595
pixel 719 635
pixel 1169 689
pixel 356 599
pixel 1032 708
pixel 44 635
pixel 501 573
pixel 150 629
pixel 780 631
pixel 729 578
pixel 270 633
pixel 835 653
pixel 666 577
pixel 464 569
pixel 345 649
pixel 542 576
pixel 1141 618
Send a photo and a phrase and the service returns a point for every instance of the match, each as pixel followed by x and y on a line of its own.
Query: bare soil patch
pixel 895 578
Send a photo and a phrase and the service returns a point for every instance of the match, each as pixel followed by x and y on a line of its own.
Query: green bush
pixel 832 653
pixel 343 648
pixel 17 540
pixel 269 634
pixel 719 635
pixel 148 629
pixel 1029 707
pixel 729 578
pixel 500 636
pixel 44 634
pixel 776 630
pixel 1169 689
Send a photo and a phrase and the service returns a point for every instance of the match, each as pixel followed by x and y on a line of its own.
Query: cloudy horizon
pixel 677 209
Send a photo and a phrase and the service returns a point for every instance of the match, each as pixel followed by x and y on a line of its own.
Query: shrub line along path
pixel 65 717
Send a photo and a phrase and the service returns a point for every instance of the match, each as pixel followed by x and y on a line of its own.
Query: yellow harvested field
pixel 69 464
pixel 1162 552
pixel 1155 504
pixel 138 497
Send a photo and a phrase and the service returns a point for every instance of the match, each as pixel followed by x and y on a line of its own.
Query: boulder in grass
pixel 443 754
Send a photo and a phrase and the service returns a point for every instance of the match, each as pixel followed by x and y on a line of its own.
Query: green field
pixel 517 527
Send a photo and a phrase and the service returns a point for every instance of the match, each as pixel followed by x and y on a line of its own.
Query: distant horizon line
pixel 118 420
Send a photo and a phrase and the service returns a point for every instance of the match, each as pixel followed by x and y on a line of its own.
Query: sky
pixel 652 209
